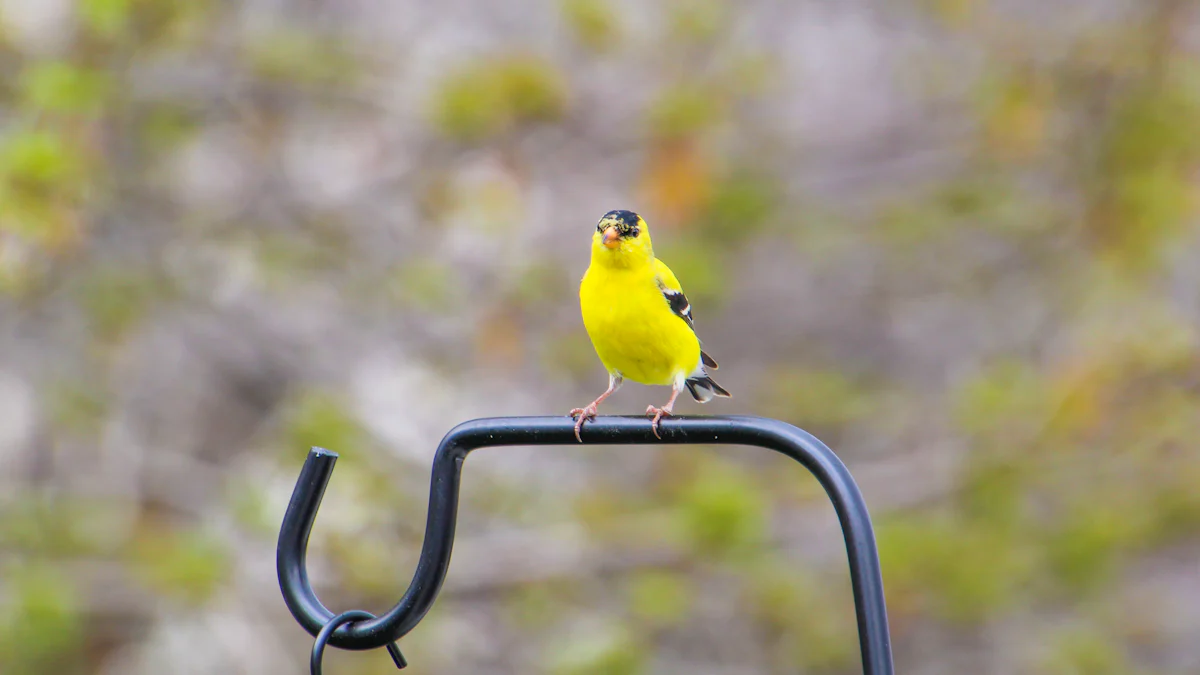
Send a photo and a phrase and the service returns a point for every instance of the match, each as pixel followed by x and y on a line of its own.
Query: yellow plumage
pixel 632 327
pixel 638 318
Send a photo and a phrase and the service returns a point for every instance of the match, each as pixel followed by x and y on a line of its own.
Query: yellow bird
pixel 639 320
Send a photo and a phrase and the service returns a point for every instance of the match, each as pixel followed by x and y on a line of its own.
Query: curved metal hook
pixel 318 650
pixel 865 576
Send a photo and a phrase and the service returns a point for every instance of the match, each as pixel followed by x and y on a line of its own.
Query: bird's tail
pixel 703 388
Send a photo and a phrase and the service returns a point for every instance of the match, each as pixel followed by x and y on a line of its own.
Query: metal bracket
pixel 865 576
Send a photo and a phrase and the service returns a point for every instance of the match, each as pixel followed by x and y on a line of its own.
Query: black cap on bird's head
pixel 619 224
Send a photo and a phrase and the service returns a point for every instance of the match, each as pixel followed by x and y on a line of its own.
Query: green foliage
pixel 116 300
pixel 1153 126
pixel 427 284
pixel 42 180
pixel 1005 411
pixel 1083 549
pixel 594 23
pixel 250 508
pixel 543 283
pixel 536 606
pixel 283 259
pixel 1176 506
pixel 722 510
pixel 172 25
pixel 367 564
pixel 1142 192
pixel 1014 104
pixel 975 197
pixel 750 74
pixel 1063 438
pixel 612 652
pixel 531 88
pixel 683 110
pixel 1148 208
pixel 37 162
pixel 60 87
pixel 1006 402
pixel 960 570
pixel 301 58
pixel 993 488
pixel 167 126
pixel 817 399
pixel 909 222
pixel 106 18
pixel 740 206
pixel 189 566
pixel 41 627
pixel 811 618
pixel 979 202
pixel 320 419
pixel 494 96
pixel 77 407
pixel 33 524
pixel 606 512
pixel 984 208
pixel 660 598
pixel 1082 651
pixel 951 11
pixel 251 511
pixel 697 21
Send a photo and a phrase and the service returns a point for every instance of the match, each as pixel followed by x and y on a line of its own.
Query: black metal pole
pixel 865 576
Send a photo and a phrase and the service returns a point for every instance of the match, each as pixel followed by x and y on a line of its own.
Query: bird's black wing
pixel 679 304
pixel 683 309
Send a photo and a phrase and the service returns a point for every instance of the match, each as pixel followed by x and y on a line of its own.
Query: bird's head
pixel 621 237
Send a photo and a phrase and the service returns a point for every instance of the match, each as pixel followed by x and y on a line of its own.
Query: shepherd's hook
pixel 368 632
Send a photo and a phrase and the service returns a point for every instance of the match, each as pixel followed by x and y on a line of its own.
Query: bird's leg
pixel 664 411
pixel 614 383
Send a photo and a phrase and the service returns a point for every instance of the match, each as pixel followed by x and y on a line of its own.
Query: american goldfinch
pixel 639 320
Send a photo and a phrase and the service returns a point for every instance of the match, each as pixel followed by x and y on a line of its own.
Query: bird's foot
pixel 658 414
pixel 588 413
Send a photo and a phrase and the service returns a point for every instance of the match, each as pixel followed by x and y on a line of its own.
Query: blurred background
pixel 956 239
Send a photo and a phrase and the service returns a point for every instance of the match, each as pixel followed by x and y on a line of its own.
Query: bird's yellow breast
pixel 632 327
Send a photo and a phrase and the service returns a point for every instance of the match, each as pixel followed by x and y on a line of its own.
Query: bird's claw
pixel 658 414
pixel 588 413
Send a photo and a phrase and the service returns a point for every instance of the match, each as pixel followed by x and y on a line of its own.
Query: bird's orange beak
pixel 612 238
